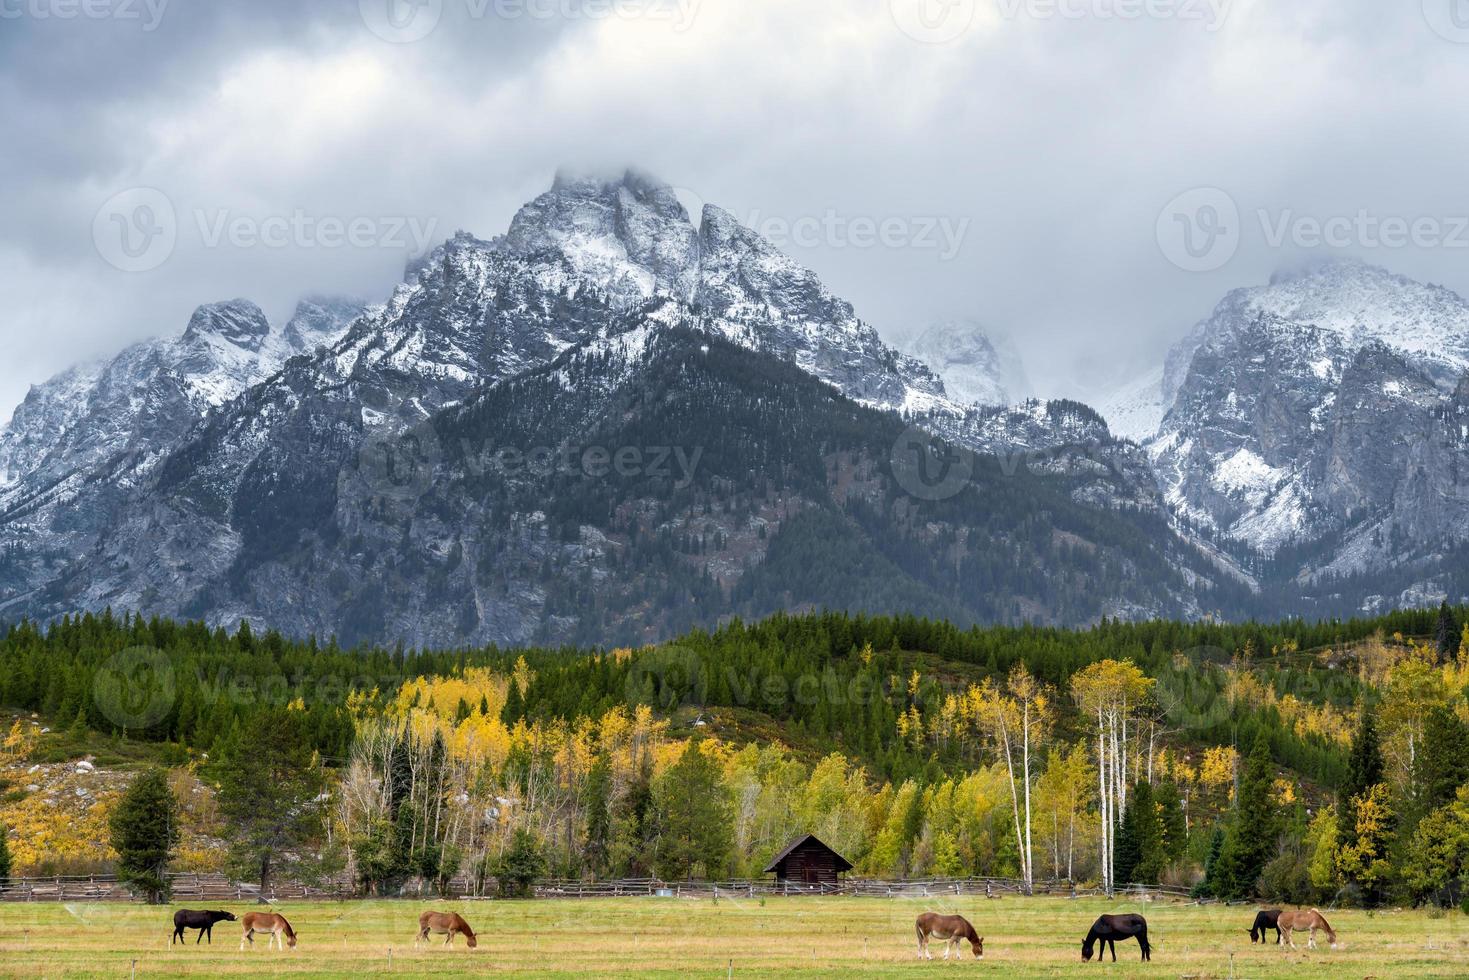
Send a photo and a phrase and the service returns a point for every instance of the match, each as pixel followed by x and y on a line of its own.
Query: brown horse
pixel 270 922
pixel 447 924
pixel 949 928
pixel 1291 920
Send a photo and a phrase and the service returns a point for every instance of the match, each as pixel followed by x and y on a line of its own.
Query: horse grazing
pixel 203 921
pixel 1312 920
pixel 447 924
pixel 1109 929
pixel 270 922
pixel 949 928
pixel 1265 920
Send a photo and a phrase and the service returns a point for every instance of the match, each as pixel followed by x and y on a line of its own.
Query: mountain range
pixel 613 422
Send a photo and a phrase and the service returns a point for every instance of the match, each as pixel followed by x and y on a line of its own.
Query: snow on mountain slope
pixel 1317 404
pixel 1135 410
pixel 250 447
pixel 976 366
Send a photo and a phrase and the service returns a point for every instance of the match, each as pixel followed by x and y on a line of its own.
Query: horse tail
pixel 1142 940
pixel 1330 932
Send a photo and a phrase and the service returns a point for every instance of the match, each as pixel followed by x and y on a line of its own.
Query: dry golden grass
pixel 684 938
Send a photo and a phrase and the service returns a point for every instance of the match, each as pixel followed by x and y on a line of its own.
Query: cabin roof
pixel 842 864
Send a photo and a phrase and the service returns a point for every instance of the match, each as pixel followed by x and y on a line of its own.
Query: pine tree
pixel 597 796
pixel 1443 764
pixel 693 820
pixel 4 854
pixel 144 832
pixel 1364 770
pixel 1209 886
pixel 1250 841
pixel 520 866
pixel 514 709
pixel 268 780
pixel 1170 814
pixel 1140 856
pixel 1446 635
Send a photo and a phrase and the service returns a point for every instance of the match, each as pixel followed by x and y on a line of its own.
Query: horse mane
pixel 286 925
pixel 1330 932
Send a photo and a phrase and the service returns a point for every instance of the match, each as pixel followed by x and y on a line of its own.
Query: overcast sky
pixel 1020 162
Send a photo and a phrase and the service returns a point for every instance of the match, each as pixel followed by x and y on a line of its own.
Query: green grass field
pixel 1038 937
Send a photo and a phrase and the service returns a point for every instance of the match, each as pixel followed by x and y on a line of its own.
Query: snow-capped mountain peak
pixel 977 365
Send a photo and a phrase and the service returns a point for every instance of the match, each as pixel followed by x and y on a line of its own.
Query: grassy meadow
pixel 686 938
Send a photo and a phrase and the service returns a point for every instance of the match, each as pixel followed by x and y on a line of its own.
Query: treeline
pixel 1241 759
pixel 95 670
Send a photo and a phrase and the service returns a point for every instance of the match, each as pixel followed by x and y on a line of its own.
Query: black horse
pixel 203 921
pixel 1110 928
pixel 1265 920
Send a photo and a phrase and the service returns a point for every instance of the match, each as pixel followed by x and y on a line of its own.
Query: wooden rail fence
pixel 204 889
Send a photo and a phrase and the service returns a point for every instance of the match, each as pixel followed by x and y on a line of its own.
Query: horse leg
pixel 1112 943
pixel 177 935
pixel 243 938
pixel 1311 938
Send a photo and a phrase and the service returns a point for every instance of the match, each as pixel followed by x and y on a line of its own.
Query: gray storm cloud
pixel 1041 144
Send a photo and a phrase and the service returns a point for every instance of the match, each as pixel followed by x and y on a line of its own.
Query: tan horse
pixel 1291 920
pixel 949 928
pixel 280 930
pixel 447 924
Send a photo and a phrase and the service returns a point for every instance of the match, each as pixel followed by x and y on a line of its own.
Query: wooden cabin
pixel 807 861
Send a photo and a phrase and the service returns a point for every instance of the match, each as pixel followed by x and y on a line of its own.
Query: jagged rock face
pixel 87 439
pixel 323 498
pixel 975 367
pixel 632 237
pixel 1319 408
